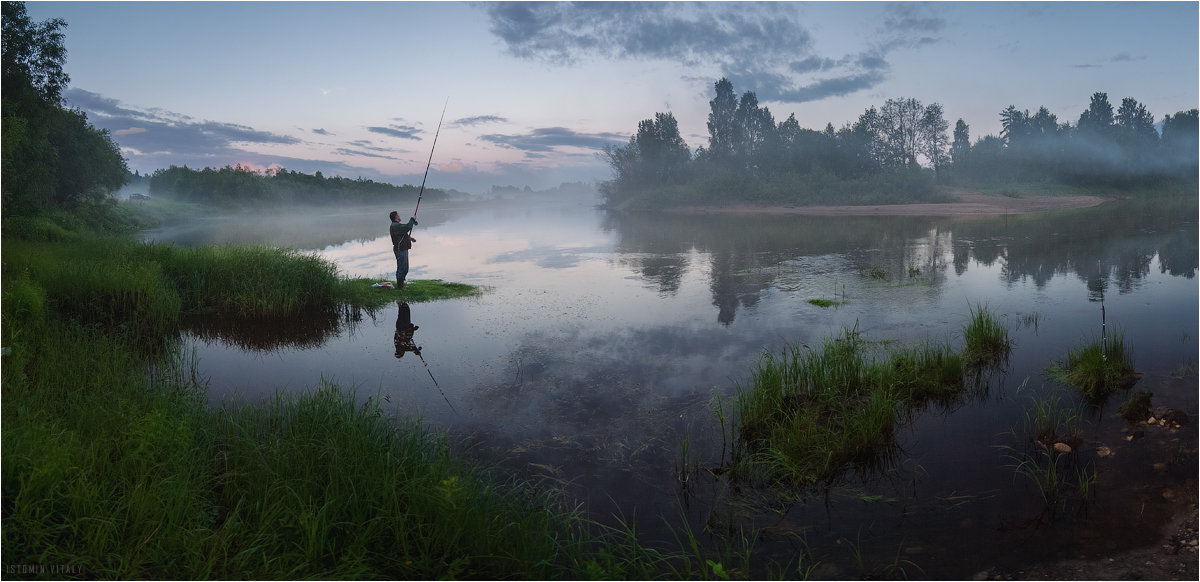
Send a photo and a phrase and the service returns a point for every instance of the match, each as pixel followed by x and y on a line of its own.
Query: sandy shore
pixel 968 204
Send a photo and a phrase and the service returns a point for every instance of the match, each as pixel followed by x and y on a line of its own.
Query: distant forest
pixel 902 151
pixel 240 186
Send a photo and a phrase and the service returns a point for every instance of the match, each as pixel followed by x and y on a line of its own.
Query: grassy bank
pixel 114 466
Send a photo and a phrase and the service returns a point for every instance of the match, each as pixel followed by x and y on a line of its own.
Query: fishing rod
pixel 430 162
pixel 1103 323
pixel 435 382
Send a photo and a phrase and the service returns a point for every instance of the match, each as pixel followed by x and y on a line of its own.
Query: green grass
pixel 987 341
pixel 810 413
pixel 362 292
pixel 826 303
pixel 1098 368
pixel 115 466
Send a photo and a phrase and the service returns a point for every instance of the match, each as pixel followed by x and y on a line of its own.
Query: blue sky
pixel 533 92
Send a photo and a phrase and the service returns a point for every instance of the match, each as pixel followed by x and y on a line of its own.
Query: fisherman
pixel 402 240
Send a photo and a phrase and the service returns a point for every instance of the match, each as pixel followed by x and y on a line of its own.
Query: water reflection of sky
pixel 597 339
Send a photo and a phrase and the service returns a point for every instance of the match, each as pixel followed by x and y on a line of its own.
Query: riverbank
pixel 114 466
pixel 967 203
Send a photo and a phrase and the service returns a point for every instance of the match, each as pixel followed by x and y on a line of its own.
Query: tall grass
pixel 1098 368
pixel 1048 456
pixel 987 341
pixel 114 466
pixel 808 414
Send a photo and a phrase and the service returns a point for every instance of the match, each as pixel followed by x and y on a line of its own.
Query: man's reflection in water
pixel 404 332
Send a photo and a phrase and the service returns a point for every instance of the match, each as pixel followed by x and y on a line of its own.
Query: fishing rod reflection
pixel 405 343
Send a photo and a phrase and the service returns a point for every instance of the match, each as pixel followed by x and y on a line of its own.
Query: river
pixel 594 358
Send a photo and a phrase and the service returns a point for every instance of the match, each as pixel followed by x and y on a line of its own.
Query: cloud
pixel 1126 57
pixel 772 37
pixel 365 154
pixel 478 120
pixel 545 140
pixel 152 138
pixel 395 130
pixel 566 32
pixel 155 130
pixel 321 131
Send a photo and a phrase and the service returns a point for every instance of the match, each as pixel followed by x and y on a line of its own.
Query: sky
pixel 532 93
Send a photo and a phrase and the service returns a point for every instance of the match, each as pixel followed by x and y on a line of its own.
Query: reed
pixel 807 413
pixel 926 371
pixel 1098 368
pixel 1054 471
pixel 987 341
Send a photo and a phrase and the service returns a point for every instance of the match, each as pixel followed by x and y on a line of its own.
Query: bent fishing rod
pixel 430 162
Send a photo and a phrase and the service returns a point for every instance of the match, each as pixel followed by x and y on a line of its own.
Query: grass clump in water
pixel 1049 456
pixel 1097 369
pixel 808 414
pixel 825 303
pixel 987 341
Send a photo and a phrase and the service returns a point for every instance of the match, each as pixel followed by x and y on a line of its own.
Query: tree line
pixel 243 186
pixel 898 152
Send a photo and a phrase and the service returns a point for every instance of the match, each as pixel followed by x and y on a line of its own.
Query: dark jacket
pixel 402 234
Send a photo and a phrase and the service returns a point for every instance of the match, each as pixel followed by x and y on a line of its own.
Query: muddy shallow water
pixel 594 360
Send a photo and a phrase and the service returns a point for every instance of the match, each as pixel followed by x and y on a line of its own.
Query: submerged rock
pixel 1174 418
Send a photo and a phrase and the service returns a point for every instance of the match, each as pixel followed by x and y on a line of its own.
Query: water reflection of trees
pixel 747 254
pixel 307 331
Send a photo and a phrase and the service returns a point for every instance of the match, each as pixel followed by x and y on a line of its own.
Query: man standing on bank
pixel 402 240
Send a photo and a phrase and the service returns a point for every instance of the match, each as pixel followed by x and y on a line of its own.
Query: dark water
pixel 593 362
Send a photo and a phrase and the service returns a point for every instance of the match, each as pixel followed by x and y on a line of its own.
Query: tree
pixel 655 156
pixel 899 132
pixel 1181 141
pixel 1014 125
pixel 1135 123
pixel 33 54
pixel 1182 127
pixel 722 123
pixel 962 141
pixel 754 133
pixel 1097 119
pixel 1043 123
pixel 52 156
pixel 932 131
pixel 664 154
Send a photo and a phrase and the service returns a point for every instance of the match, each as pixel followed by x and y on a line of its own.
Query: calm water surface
pixel 593 361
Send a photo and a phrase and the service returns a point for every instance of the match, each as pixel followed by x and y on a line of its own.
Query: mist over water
pixel 603 338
